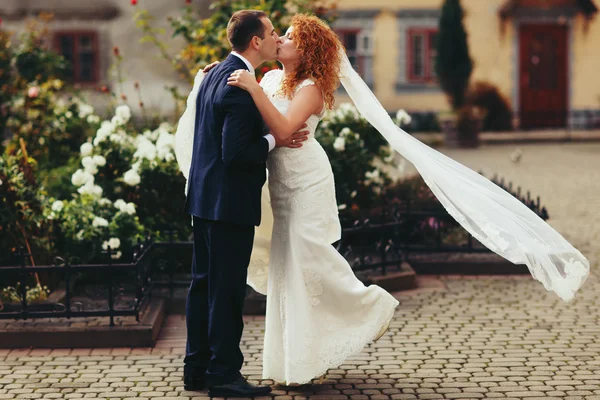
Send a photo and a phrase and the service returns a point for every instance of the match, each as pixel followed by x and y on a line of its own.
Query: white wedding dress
pixel 318 312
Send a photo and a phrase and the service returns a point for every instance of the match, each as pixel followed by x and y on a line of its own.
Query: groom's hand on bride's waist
pixel 294 141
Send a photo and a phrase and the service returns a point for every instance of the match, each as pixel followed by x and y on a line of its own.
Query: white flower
pixel 81 177
pixel 123 112
pixel 169 157
pixel 345 132
pixel 1 182
pixel 166 126
pixel 145 149
pixel 165 139
pixel 105 130
pixel 120 204
pixel 342 207
pixel 163 152
pixel 403 118
pixel 372 176
pixel 117 121
pixel 99 160
pixel 99 222
pixel 68 114
pixel 129 209
pixel 131 177
pixel 116 256
pixel 148 134
pixel 99 139
pixel 104 202
pixel 136 166
pixel 57 206
pixel 113 243
pixel 339 144
pixel 353 194
pixel 93 119
pixel 89 165
pixel 349 110
pixel 117 138
pixel 108 126
pixel 91 189
pixel 85 110
pixel 86 149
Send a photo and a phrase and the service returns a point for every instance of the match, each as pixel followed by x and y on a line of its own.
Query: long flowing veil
pixel 493 216
pixel 184 136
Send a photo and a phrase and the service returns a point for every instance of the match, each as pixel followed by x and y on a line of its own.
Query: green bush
pixel 486 96
pixel 22 224
pixel 358 154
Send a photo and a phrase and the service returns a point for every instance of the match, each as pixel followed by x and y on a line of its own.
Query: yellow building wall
pixel 385 65
pixel 492 48
pixel 585 85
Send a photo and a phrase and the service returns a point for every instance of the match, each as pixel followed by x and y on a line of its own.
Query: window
pixel 81 50
pixel 421 55
pixel 359 48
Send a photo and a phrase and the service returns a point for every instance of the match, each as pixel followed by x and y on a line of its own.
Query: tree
pixel 205 36
pixel 453 63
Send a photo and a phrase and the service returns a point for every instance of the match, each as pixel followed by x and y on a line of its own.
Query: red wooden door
pixel 543 76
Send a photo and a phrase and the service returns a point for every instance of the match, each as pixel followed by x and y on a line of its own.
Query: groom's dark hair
pixel 243 26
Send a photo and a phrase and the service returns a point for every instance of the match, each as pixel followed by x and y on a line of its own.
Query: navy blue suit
pixel 225 181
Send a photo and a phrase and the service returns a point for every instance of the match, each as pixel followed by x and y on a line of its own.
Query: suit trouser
pixel 216 299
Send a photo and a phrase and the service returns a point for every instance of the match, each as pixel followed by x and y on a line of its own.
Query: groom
pixel 225 182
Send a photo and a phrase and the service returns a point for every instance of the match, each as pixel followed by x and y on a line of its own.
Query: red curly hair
pixel 318 49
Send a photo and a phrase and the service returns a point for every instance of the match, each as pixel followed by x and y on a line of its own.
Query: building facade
pixel 540 54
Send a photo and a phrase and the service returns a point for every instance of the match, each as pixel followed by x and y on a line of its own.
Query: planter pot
pixel 460 133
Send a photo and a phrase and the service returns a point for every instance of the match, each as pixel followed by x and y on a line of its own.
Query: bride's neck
pixel 288 69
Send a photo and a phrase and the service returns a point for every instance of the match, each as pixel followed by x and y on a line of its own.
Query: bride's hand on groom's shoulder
pixel 294 141
pixel 244 80
pixel 210 66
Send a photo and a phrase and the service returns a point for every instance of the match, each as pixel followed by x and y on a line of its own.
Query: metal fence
pixel 136 274
pixel 386 240
pixel 376 243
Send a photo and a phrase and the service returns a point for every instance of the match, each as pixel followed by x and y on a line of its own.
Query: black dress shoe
pixel 238 388
pixel 194 384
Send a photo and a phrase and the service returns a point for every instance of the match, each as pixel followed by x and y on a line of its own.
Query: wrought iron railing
pixel 386 240
pixel 375 243
pixel 114 275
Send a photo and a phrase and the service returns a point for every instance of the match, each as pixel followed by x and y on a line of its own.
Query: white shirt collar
pixel 238 55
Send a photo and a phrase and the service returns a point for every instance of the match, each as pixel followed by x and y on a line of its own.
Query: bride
pixel 318 312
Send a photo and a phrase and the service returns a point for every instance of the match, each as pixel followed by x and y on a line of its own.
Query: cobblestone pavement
pixel 455 337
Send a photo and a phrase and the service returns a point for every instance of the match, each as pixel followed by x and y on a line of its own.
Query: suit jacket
pixel 229 154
